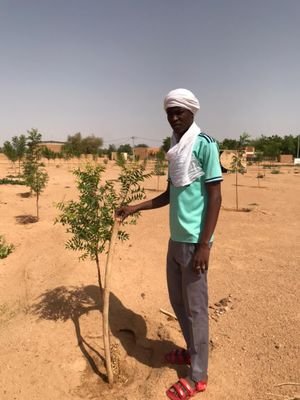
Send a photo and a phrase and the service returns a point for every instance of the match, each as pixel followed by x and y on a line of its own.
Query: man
pixel 194 195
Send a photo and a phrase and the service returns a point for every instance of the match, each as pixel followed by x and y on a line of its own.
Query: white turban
pixel 182 98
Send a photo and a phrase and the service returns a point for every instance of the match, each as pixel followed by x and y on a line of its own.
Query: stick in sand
pixel 167 313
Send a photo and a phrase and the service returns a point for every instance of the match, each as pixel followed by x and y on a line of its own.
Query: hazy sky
pixel 103 67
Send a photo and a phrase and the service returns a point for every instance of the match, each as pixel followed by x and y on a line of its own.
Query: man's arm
pixel 201 257
pixel 159 201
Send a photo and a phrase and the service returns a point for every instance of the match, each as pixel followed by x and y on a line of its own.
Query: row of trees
pixel 268 146
pixel 75 146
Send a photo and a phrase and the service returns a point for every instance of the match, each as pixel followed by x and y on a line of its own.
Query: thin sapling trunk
pixel 106 328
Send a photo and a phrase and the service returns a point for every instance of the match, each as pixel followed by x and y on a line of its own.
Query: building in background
pixel 250 153
pixel 286 158
pixel 146 153
pixel 53 145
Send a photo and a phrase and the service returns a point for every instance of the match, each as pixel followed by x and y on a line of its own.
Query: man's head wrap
pixel 182 98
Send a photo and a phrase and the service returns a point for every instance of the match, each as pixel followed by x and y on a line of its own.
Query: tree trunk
pixel 98 272
pixel 37 207
pixel 236 190
pixel 106 294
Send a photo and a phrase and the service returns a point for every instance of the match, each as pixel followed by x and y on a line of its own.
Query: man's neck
pixel 179 135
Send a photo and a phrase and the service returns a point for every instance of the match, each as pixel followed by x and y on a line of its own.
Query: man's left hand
pixel 201 258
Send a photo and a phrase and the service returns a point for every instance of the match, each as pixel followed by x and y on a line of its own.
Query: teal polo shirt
pixel 188 204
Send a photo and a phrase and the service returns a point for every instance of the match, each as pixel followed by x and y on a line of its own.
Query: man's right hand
pixel 125 211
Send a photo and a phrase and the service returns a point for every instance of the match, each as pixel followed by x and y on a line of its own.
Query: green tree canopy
pixel 141 145
pixel 166 144
pixel 77 145
pixel 125 148
pixel 9 151
pixel 91 144
pixel 15 150
pixel 269 146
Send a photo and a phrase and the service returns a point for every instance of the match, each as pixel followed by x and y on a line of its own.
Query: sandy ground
pixel 50 313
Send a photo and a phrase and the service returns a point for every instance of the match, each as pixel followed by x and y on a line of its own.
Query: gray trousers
pixel 189 298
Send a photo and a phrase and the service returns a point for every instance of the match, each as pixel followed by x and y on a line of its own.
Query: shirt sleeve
pixel 210 160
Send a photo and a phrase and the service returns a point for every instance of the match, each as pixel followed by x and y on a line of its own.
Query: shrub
pixel 5 248
pixel 9 181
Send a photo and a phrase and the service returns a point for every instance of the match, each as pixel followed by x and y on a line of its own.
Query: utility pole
pixel 133 155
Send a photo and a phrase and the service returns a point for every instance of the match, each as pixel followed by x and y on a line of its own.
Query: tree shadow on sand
pixel 25 195
pixel 26 219
pixel 70 303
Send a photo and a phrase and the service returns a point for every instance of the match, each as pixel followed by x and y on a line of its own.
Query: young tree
pixel 238 168
pixel 90 221
pixel 47 153
pixel 34 173
pixel 15 150
pixel 10 152
pixel 159 166
pixel 19 144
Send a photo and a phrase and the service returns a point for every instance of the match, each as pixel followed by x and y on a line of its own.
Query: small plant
pixel 275 171
pixel 258 160
pixel 258 177
pixel 5 248
pixel 93 227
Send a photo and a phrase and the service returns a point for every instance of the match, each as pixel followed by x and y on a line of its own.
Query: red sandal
pixel 178 356
pixel 182 390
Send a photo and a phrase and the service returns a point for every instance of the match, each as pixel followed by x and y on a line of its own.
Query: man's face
pixel 180 119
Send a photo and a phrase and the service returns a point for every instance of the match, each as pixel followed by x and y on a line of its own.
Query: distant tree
pixel 271 150
pixel 125 148
pixel 19 144
pixel 244 140
pixel 141 145
pixel 111 149
pixel 47 153
pixel 289 145
pixel 73 148
pixel 91 145
pixel 229 144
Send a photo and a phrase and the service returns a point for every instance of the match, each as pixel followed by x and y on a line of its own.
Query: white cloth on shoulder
pixel 184 168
